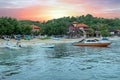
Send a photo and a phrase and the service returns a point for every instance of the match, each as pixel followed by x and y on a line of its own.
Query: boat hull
pixel 47 46
pixel 93 44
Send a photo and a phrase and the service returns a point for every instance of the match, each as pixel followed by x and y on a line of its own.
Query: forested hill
pixel 57 26
pixel 88 19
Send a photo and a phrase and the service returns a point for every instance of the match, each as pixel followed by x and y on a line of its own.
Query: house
pixel 82 26
pixel 97 33
pixel 71 28
pixel 35 28
pixel 118 32
pixel 72 33
pixel 76 30
pixel 114 32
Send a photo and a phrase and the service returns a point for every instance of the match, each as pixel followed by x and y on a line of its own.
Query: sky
pixel 43 10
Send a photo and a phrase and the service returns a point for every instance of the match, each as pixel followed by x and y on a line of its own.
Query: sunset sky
pixel 49 9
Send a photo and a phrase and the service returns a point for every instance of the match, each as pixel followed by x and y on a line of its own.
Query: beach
pixel 40 41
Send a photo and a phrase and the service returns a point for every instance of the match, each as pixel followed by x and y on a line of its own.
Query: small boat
pixel 48 46
pixel 94 42
pixel 10 46
pixel 55 38
pixel 13 47
pixel 104 38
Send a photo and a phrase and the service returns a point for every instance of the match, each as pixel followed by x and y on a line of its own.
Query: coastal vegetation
pixel 11 26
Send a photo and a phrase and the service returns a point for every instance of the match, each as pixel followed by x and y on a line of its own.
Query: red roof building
pixel 35 28
pixel 82 26
pixel 75 29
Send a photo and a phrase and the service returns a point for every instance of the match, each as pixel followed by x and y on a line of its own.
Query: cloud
pixel 17 3
pixel 112 10
pixel 26 3
pixel 37 9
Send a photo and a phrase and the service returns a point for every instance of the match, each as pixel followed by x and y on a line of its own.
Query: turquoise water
pixel 64 62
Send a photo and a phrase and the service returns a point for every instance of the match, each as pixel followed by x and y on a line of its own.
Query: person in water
pixel 18 44
pixel 7 41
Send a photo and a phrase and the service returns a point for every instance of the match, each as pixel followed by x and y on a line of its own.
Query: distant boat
pixel 10 46
pixel 56 38
pixel 48 46
pixel 104 38
pixel 94 42
pixel 13 47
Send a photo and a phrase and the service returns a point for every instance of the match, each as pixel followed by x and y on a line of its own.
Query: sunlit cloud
pixel 113 9
pixel 17 3
pixel 49 9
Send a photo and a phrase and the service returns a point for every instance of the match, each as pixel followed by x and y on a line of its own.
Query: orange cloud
pixel 49 9
pixel 72 1
pixel 32 13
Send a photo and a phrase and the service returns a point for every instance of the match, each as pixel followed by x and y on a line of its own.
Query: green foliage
pixel 26 30
pixel 9 26
pixel 29 22
pixel 105 33
pixel 36 32
pixel 59 26
pixel 91 32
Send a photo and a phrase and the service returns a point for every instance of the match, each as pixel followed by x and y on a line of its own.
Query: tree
pixel 27 30
pixel 8 25
pixel 91 32
pixel 105 33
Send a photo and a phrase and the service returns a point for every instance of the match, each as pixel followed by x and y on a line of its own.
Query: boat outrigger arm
pixel 84 33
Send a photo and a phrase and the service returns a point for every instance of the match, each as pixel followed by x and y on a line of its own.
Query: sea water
pixel 63 62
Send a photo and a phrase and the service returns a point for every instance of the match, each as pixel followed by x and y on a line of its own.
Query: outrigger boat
pixel 93 42
pixel 13 47
pixel 48 46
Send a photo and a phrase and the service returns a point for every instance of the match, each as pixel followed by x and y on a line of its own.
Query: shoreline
pixel 51 41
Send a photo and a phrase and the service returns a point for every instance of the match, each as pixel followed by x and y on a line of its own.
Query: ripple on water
pixel 64 62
